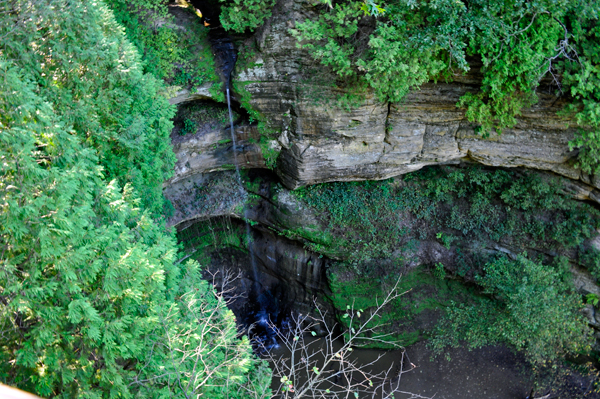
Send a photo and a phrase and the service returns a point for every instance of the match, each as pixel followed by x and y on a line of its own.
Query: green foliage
pixel 180 55
pixel 217 92
pixel 362 216
pixel 591 260
pixel 245 98
pixel 267 132
pixel 394 53
pixel 397 65
pixel 583 78
pixel 269 152
pixel 323 36
pixel 515 41
pixel 242 15
pixel 90 73
pixel 94 302
pixel 592 299
pixel 501 205
pixel 439 271
pixel 414 41
pixel 216 236
pixel 368 219
pixel 445 239
pixel 397 46
pixel 198 348
pixel 189 126
pixel 84 267
pixel 155 43
pixel 533 310
pixel 389 53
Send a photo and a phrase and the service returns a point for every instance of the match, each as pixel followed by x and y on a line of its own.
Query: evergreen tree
pixel 93 303
pixel 81 62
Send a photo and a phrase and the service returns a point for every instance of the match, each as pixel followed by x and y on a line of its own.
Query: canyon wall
pixel 313 139
pixel 321 141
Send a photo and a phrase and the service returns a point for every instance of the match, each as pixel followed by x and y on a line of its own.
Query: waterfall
pixel 244 195
pixel 262 317
pixel 226 56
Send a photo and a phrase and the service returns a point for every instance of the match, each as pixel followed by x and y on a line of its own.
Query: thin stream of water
pixel 244 195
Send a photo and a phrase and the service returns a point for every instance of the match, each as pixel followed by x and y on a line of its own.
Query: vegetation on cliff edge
pixel 397 45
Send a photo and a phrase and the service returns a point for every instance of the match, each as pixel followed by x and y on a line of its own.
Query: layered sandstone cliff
pixel 321 141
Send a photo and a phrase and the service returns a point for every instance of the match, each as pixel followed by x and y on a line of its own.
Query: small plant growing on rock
pixel 592 299
pixel 189 126
pixel 439 271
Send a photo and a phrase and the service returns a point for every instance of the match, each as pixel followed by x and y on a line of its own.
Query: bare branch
pixel 562 50
pixel 325 366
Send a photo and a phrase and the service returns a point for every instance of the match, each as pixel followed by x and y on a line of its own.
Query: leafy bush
pixel 189 126
pixel 145 26
pixel 515 42
pixel 181 56
pixel 583 77
pixel 532 310
pixel 242 15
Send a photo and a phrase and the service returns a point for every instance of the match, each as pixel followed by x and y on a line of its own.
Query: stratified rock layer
pixel 323 142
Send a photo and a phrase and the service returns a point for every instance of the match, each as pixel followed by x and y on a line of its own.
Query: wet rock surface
pixel 286 276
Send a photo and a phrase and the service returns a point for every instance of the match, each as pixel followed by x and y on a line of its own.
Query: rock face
pixel 379 141
pixel 322 142
pixel 213 150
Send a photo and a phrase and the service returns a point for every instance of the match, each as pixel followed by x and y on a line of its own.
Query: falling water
pixel 226 56
pixel 244 195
